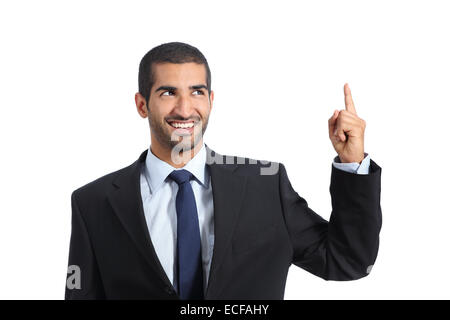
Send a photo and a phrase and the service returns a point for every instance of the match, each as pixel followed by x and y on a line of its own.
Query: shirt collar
pixel 157 170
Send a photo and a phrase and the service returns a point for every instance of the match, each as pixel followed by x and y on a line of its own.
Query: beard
pixel 171 141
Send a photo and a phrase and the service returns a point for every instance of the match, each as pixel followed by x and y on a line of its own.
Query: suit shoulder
pixel 250 167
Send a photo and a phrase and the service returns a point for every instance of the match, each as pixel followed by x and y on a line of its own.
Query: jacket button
pixel 169 290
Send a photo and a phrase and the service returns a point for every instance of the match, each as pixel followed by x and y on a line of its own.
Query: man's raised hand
pixel 346 131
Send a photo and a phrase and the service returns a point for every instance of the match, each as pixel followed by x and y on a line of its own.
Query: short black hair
pixel 173 52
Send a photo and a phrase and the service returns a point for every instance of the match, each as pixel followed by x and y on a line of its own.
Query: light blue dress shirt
pixel 354 167
pixel 158 198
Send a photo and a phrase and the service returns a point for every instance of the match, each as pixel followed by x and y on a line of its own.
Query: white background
pixel 68 74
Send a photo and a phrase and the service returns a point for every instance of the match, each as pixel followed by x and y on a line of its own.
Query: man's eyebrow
pixel 198 86
pixel 169 88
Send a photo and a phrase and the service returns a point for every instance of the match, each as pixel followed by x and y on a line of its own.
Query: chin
pixel 182 145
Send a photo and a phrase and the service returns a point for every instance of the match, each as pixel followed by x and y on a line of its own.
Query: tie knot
pixel 180 176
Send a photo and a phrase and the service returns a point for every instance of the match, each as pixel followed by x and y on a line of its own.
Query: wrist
pixel 352 159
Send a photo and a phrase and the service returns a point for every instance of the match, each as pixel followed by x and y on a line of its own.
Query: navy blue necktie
pixel 189 252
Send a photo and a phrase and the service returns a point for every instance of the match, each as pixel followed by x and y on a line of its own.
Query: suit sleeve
pixel 345 248
pixel 82 260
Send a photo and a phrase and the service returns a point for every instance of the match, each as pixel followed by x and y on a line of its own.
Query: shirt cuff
pixel 353 167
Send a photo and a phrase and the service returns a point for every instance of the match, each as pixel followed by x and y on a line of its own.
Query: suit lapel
pixel 126 201
pixel 228 193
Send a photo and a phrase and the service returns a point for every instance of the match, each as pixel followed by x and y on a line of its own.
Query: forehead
pixel 178 73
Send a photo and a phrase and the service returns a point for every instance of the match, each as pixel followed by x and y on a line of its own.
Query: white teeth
pixel 182 125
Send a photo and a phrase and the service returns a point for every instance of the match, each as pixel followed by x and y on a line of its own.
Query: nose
pixel 184 106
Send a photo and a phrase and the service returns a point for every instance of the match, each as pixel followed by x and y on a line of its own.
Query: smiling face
pixel 179 106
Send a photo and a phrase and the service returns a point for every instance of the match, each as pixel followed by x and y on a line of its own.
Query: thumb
pixel 332 122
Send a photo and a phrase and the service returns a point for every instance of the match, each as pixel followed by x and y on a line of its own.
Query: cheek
pixel 159 110
pixel 204 109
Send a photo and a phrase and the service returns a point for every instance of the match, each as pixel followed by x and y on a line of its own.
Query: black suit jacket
pixel 261 227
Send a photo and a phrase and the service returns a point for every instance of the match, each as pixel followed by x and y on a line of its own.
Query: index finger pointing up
pixel 349 105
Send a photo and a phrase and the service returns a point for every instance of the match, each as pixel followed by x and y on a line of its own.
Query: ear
pixel 141 105
pixel 211 99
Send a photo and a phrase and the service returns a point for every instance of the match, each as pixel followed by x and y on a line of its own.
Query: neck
pixel 165 154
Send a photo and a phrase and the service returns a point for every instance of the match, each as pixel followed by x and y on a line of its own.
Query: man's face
pixel 179 104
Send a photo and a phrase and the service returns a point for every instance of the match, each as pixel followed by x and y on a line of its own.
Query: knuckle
pixel 346 114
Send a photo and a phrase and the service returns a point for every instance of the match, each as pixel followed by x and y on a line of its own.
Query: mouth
pixel 182 127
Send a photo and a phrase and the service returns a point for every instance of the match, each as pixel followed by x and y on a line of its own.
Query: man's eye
pixel 168 93
pixel 199 91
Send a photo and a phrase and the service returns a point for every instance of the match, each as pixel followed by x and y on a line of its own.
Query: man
pixel 184 222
